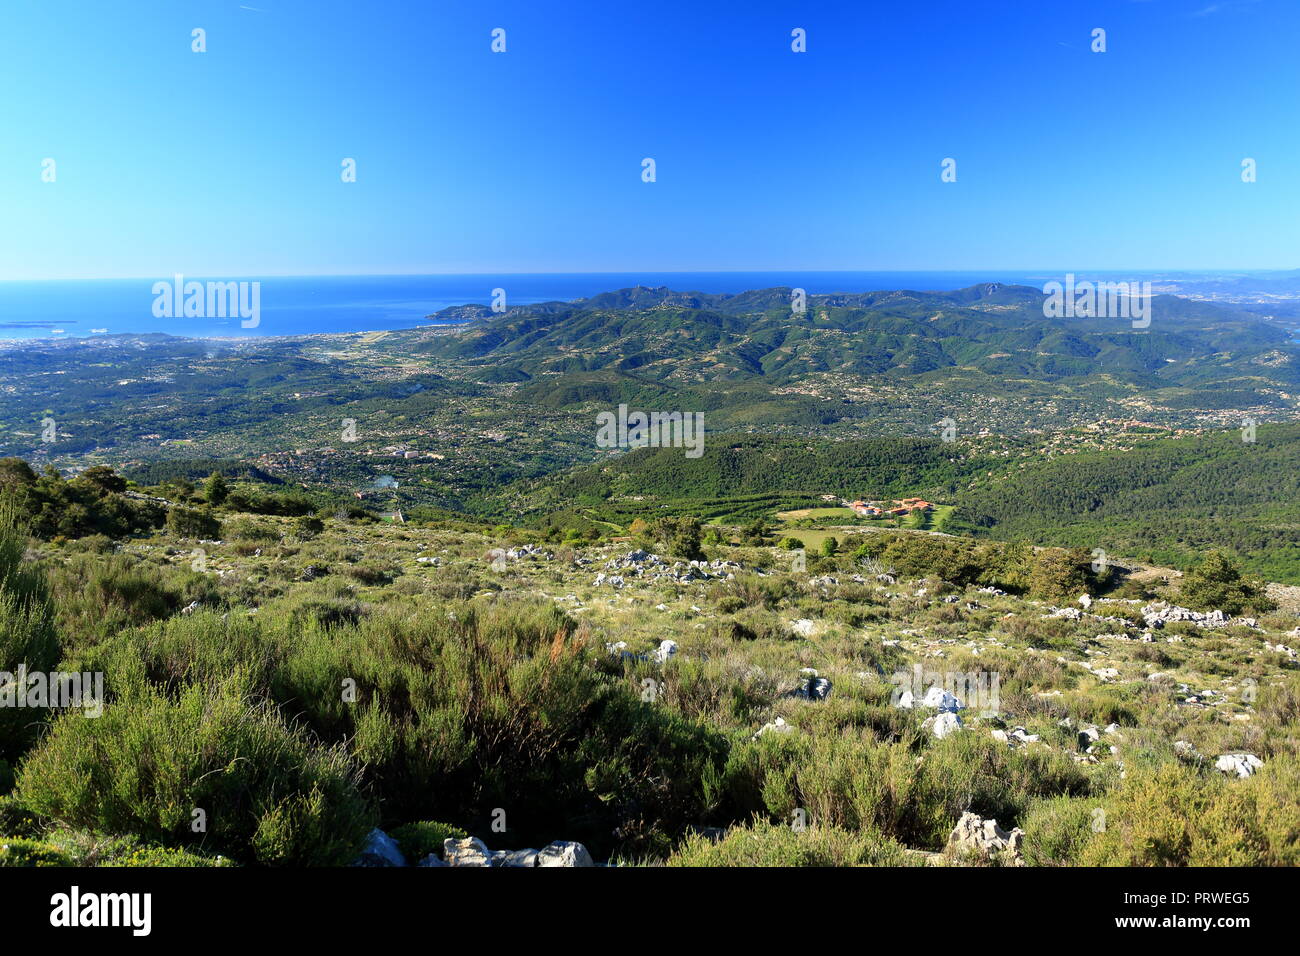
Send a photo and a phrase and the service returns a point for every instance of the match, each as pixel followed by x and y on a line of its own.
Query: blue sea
pixel 304 305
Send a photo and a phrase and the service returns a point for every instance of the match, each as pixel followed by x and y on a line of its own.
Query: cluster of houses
pixel 906 506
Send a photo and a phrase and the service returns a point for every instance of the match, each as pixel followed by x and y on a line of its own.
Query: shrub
pixel 19 851
pixel 27 634
pixel 193 523
pixel 308 526
pixel 680 537
pixel 164 856
pixel 418 840
pixel 1216 583
pixel 768 844
pixel 271 794
pixel 1059 574
pixel 16 819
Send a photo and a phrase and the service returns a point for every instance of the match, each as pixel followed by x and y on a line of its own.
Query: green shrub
pixel 1216 583
pixel 20 851
pixel 164 856
pixel 270 794
pixel 17 819
pixel 27 634
pixel 193 523
pixel 419 839
pixel 768 844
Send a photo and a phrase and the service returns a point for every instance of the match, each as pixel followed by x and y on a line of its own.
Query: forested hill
pixel 1001 331
pixel 742 465
pixel 1165 501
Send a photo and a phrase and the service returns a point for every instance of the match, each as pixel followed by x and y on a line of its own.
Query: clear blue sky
pixel 227 163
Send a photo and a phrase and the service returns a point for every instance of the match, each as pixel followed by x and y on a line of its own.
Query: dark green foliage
pixel 92 503
pixel 1166 501
pixel 1059 575
pixel 680 537
pixel 216 491
pixel 1216 583
pixel 193 523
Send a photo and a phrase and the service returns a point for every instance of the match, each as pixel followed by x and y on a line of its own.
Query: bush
pixel 1216 583
pixel 27 634
pixel 308 526
pixel 680 537
pixel 270 794
pixel 193 523
pixel 16 819
pixel 1169 814
pixel 1059 574
pixel 768 844
pixel 418 840
pixel 164 856
pixel 19 851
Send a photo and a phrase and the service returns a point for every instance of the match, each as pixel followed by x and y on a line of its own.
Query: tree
pixel 830 546
pixel 216 491
pixel 103 479
pixel 1216 584
pixel 681 537
pixel 308 526
pixel 192 523
pixel 1058 574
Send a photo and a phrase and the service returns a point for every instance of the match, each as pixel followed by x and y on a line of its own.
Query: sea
pixel 306 305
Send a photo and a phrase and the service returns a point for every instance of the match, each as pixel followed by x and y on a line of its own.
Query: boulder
pixel 564 853
pixel 1239 765
pixel 813 688
pixel 665 650
pixel 984 838
pixel 942 700
pixel 514 857
pixel 942 724
pixel 778 726
pixel 432 860
pixel 380 850
pixel 470 851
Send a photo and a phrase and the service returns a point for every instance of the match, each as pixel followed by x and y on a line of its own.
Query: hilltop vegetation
pixel 1166 502
pixel 310 681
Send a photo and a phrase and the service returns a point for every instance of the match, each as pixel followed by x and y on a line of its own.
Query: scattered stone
pixel 942 700
pixel 986 839
pixel 1242 765
pixel 514 858
pixel 380 850
pixel 778 726
pixel 564 853
pixel 942 724
pixel 470 851
pixel 814 688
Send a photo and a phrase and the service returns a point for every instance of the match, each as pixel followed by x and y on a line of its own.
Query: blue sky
pixel 227 163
